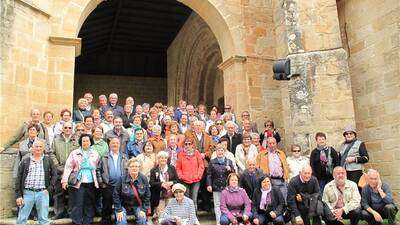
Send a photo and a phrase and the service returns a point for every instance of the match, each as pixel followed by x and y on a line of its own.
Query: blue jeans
pixel 38 199
pixel 139 220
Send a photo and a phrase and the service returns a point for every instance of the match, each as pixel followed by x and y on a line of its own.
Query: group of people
pixel 166 163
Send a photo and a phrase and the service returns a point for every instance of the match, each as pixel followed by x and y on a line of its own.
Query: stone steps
pixel 205 218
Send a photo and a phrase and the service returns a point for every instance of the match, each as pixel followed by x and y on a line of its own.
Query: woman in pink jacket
pixel 190 168
pixel 80 179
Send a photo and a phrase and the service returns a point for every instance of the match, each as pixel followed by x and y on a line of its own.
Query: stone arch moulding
pixel 76 12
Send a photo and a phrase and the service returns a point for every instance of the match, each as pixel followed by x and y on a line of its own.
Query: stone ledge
pixel 34 7
pixel 67 41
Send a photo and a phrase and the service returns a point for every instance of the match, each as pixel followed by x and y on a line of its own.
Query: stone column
pixel 319 97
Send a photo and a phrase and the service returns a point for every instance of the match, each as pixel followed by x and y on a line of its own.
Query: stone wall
pixel 193 58
pixel 318 97
pixel 371 30
pixel 142 89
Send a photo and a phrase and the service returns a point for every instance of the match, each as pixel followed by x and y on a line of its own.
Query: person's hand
pixel 209 188
pixel 64 186
pixel 203 155
pixel 235 222
pixel 120 216
pixel 350 159
pixel 377 217
pixel 142 214
pixel 299 220
pixel 178 220
pixel 19 201
pixel 165 185
pixel 245 218
pixel 256 221
pixel 379 187
pixel 298 198
pixel 338 213
pixel 272 214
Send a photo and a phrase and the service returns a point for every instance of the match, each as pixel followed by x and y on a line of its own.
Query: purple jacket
pixel 235 202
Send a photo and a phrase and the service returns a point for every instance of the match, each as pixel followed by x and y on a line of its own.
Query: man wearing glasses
pixel 228 112
pixel 246 117
pixel 61 147
pixel 353 154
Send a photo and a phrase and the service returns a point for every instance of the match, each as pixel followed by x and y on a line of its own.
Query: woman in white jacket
pixel 245 151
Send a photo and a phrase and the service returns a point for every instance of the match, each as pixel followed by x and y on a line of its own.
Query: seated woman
pixel 132 195
pixel 180 210
pixel 162 177
pixel 268 203
pixel 235 204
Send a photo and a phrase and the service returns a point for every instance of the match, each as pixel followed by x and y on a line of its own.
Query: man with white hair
pixel 343 199
pixel 231 134
pixel 300 189
pixel 112 105
pixel 89 98
pixel 36 178
pixel 377 200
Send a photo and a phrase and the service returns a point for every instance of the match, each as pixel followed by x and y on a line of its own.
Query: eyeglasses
pixel 219 123
pixel 69 128
pixel 348 133
pixel 296 150
pixel 246 115
pixel 188 143
pixel 80 130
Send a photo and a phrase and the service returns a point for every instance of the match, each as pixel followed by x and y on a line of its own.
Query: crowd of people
pixel 164 164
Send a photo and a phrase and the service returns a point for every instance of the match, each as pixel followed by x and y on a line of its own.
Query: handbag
pixel 73 178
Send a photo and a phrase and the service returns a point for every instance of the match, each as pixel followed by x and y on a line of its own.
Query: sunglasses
pixel 68 128
pixel 188 143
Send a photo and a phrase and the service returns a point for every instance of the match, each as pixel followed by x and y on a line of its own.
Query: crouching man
pixel 343 199
pixel 377 201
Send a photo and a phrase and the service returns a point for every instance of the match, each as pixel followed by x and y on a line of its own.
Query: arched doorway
pixel 152 50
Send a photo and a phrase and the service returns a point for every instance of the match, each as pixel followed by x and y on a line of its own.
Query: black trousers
pixel 205 196
pixel 389 212
pixel 316 220
pixel 353 215
pixel 83 200
pixel 60 200
pixel 107 202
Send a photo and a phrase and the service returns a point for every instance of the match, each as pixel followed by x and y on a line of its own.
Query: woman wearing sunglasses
pixel 296 161
pixel 190 169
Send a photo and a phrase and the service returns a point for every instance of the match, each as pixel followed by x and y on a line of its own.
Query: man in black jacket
pixel 249 177
pixel 35 180
pixel 111 168
pixel 300 186
pixel 234 138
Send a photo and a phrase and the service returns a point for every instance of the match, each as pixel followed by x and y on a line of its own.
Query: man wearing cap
pixel 179 210
pixel 353 154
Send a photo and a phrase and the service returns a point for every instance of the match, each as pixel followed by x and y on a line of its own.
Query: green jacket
pixel 101 147
pixel 60 150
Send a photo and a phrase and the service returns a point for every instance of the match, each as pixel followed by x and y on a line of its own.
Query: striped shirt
pixel 185 210
pixel 35 177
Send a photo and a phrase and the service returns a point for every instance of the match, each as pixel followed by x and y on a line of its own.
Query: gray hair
pixel 254 135
pixel 113 94
pixel 162 154
pixel 37 141
pixel 231 123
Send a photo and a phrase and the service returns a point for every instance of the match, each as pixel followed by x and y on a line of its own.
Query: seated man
pixel 343 199
pixel 377 201
pixel 299 188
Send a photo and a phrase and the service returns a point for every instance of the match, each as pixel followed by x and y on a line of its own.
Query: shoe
pixel 57 217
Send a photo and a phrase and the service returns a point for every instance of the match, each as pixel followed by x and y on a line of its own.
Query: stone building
pixel 346 54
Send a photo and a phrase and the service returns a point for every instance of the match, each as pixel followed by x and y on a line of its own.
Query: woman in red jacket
pixel 190 168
